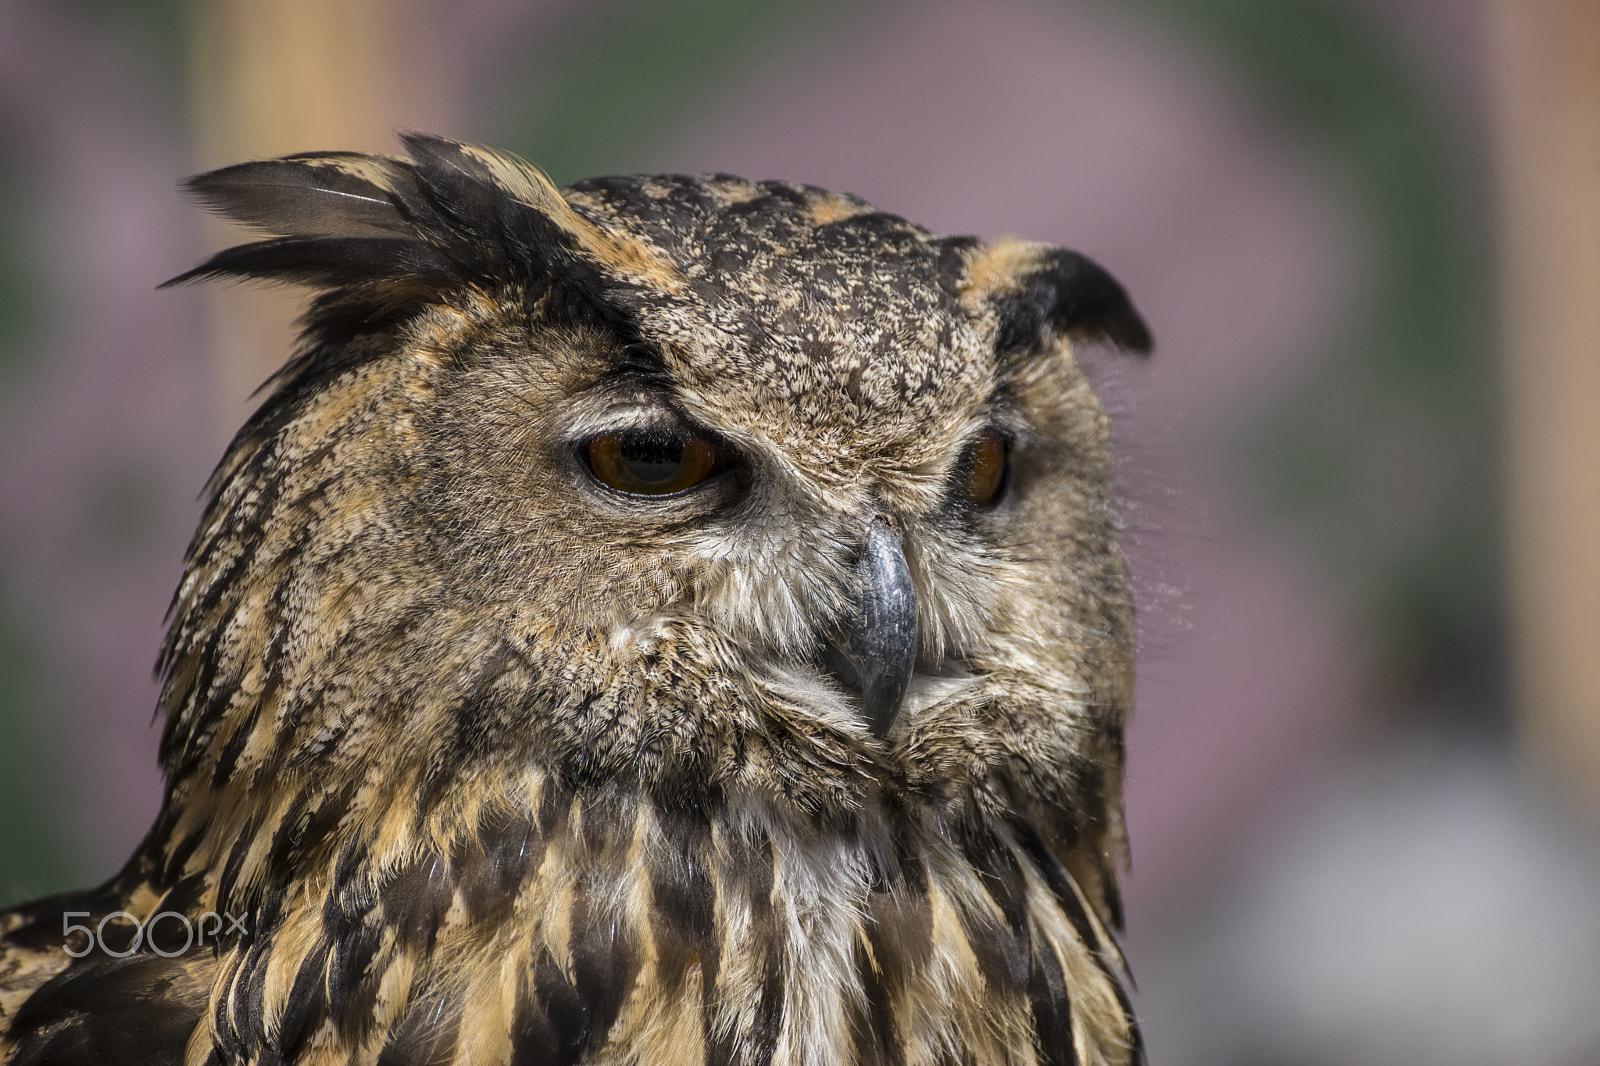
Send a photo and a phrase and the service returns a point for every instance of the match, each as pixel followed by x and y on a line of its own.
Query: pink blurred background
pixel 1336 856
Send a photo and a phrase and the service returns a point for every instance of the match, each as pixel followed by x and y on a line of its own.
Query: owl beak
pixel 878 649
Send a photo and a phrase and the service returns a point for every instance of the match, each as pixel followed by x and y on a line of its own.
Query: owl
pixel 666 620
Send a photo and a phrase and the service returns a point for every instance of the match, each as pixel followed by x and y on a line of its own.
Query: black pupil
pixel 652 457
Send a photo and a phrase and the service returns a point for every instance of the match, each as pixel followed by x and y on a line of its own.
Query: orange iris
pixel 986 470
pixel 651 463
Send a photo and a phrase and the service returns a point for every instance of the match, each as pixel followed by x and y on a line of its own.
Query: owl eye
pixel 987 464
pixel 651 462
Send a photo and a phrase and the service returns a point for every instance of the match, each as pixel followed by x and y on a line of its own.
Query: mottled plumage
pixel 500 764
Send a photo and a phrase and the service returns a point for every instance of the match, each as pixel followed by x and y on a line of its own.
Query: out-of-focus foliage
pixel 35 855
pixel 155 35
pixel 1384 456
pixel 33 859
pixel 624 65
pixel 19 297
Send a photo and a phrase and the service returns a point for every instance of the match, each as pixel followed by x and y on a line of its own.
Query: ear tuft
pixel 1082 299
pixel 401 230
pixel 318 194
pixel 1040 288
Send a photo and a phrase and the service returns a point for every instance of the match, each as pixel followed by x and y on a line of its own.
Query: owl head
pixel 708 486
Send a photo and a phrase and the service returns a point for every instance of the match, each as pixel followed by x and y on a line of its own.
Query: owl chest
pixel 609 930
pixel 735 943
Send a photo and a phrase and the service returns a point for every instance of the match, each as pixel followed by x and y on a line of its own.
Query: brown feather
pixel 495 764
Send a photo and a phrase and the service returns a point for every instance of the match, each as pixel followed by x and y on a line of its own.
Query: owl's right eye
pixel 652 462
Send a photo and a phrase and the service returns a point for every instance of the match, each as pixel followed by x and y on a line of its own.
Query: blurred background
pixel 1362 473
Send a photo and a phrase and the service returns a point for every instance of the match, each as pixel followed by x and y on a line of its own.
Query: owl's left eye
pixel 651 462
pixel 986 470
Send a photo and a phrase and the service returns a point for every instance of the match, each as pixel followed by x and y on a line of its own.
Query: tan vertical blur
pixel 1546 59
pixel 273 77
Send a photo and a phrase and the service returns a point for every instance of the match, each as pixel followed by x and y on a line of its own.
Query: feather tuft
pixel 1040 288
pixel 317 194
pixel 379 232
